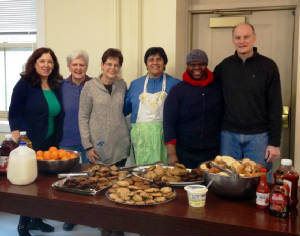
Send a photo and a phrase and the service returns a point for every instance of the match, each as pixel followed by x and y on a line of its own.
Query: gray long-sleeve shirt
pixel 102 124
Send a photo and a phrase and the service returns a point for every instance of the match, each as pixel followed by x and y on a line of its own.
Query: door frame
pixel 294 152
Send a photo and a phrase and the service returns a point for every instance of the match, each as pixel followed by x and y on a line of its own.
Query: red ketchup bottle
pixel 279 197
pixel 6 147
pixel 290 180
pixel 262 191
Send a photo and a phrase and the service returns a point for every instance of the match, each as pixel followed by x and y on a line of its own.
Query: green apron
pixel 147 140
pixel 147 132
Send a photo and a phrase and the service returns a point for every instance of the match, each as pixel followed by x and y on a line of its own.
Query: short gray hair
pixel 78 54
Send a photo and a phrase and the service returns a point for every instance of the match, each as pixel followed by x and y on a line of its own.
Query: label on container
pixel 3 163
pixel 196 195
pixel 278 198
pixel 262 199
pixel 288 186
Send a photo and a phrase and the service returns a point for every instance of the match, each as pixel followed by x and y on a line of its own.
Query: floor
pixel 8 224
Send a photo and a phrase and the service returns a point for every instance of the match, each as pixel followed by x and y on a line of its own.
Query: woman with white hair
pixel 77 63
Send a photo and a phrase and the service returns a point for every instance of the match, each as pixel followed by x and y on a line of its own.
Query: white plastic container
pixel 22 165
pixel 196 195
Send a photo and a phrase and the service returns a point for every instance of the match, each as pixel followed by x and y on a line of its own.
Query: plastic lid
pixel 23 133
pixel 8 136
pixel 22 144
pixel 286 162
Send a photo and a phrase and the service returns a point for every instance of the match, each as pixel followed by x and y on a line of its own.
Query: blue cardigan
pixel 28 111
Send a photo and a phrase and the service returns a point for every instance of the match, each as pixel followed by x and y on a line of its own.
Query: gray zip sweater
pixel 102 124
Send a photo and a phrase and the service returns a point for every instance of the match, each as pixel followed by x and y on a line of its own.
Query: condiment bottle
pixel 279 197
pixel 24 138
pixel 290 180
pixel 6 147
pixel 262 191
pixel 22 165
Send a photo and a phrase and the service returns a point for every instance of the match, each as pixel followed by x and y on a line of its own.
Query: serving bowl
pixel 58 166
pixel 232 186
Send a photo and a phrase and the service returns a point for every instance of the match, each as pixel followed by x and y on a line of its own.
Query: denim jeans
pixel 241 146
pixel 80 149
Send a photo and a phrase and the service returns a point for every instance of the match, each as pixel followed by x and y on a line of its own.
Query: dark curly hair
pixel 30 74
pixel 156 50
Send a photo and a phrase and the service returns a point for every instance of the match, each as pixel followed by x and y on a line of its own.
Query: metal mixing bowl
pixel 59 166
pixel 231 187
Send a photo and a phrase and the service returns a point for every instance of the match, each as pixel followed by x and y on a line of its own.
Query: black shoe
pixel 23 230
pixel 106 232
pixel 38 224
pixel 117 233
pixel 68 226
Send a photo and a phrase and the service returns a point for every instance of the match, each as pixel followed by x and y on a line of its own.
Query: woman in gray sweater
pixel 103 129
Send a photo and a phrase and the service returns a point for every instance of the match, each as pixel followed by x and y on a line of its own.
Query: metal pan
pixel 59 185
pixel 136 205
pixel 136 172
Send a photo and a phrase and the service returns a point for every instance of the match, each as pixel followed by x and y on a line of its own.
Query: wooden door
pixel 275 35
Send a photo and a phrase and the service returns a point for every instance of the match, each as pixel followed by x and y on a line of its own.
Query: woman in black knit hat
pixel 192 114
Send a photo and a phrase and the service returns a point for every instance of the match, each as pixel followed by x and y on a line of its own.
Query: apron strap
pixel 163 85
pixel 146 83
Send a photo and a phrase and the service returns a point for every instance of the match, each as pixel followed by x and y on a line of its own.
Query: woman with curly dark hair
pixel 36 108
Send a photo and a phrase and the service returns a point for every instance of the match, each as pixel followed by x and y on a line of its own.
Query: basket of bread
pixel 232 178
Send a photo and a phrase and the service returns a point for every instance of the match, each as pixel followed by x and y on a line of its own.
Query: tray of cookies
pixel 135 191
pixel 101 178
pixel 176 176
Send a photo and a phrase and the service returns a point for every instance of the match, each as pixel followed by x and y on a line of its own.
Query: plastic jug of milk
pixel 22 165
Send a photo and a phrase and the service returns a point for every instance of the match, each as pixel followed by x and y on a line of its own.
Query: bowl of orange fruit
pixel 56 160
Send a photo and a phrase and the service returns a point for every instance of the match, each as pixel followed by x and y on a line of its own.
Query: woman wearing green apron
pixel 144 101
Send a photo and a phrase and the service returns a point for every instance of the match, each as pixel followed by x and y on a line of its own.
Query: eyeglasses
pixel 112 65
pixel 194 65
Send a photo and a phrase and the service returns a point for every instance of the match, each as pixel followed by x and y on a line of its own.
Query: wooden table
pixel 218 217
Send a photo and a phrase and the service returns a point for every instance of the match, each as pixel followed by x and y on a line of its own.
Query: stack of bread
pixel 245 168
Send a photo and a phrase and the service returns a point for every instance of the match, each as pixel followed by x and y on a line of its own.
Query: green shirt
pixel 54 109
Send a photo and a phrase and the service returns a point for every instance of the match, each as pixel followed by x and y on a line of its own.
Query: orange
pixel 39 153
pixel 61 153
pixel 52 149
pixel 67 154
pixel 47 155
pixel 40 157
pixel 73 155
pixel 54 155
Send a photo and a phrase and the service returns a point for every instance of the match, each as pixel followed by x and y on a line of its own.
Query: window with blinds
pixel 18 31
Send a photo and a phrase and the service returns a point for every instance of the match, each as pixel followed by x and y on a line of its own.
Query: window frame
pixel 4 114
pixel 40 39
